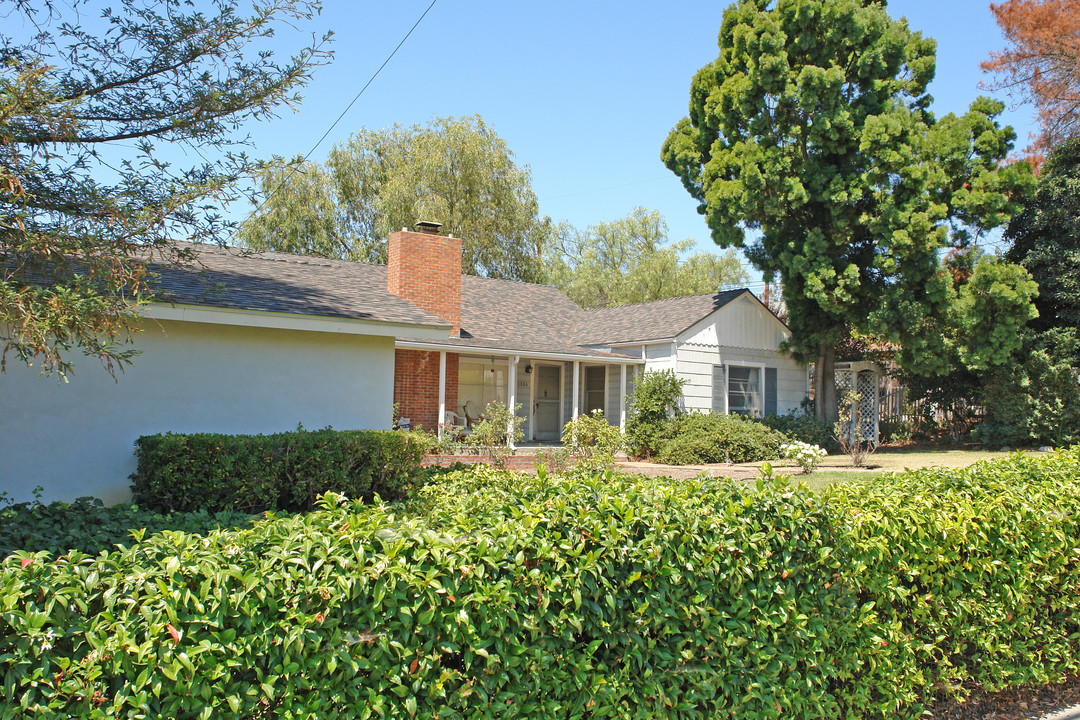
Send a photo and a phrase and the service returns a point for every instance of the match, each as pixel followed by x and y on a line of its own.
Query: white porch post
pixel 442 392
pixel 622 397
pixel 577 389
pixel 512 395
pixel 532 402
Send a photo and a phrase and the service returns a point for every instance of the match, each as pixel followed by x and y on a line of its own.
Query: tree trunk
pixel 825 384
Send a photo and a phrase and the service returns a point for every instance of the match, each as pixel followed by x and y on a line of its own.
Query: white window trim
pixel 584 376
pixel 760 367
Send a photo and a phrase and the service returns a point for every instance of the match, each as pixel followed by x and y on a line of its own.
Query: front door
pixel 548 402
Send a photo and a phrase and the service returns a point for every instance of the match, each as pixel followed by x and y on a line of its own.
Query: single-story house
pixel 262 342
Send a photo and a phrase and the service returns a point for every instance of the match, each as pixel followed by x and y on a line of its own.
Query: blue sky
pixel 583 92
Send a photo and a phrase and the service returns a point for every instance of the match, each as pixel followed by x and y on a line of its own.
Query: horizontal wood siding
pixel 790 375
pixel 695 366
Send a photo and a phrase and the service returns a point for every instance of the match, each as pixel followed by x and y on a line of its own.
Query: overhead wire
pixel 344 112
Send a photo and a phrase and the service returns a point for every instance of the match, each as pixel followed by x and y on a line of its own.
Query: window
pixel 595 385
pixel 480 383
pixel 744 390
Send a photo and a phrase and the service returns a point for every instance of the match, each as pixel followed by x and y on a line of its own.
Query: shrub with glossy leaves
pixel 977 571
pixel 90 527
pixel 498 596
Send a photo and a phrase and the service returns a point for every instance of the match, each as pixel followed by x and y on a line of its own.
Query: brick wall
pixel 416 386
pixel 425 269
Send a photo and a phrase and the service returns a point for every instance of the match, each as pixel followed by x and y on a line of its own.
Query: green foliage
pixel 804 427
pixel 973 574
pixel 656 398
pixel 696 438
pixel 1036 399
pixel 97 123
pixel 493 594
pixel 811 130
pixel 455 171
pixel 493 434
pixel 631 260
pixel 513 595
pixel 806 455
pixel 592 440
pixel 1046 240
pixel 285 471
pixel 88 526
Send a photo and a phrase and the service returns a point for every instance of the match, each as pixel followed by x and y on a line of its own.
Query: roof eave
pixel 291 321
pixel 419 344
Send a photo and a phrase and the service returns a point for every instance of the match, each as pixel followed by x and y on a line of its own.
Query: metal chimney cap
pixel 426 226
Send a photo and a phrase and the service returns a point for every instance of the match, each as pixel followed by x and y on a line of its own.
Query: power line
pixel 344 112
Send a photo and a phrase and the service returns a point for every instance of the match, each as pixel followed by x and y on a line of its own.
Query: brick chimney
pixel 425 269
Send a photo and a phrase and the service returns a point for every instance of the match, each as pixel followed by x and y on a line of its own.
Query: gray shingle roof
pixel 495 314
pixel 655 320
pixel 277 282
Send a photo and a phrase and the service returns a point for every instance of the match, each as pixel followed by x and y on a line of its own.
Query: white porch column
pixel 511 393
pixel 622 397
pixel 532 403
pixel 442 392
pixel 577 389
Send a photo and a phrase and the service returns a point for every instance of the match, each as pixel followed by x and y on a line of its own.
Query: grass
pixel 838 468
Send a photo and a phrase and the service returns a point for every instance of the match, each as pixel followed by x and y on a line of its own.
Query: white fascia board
pixel 639 343
pixel 289 321
pixel 469 350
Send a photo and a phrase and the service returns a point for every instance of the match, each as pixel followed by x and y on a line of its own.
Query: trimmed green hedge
pixel 286 471
pixel 975 572
pixel 604 597
pixel 87 525
pixel 495 595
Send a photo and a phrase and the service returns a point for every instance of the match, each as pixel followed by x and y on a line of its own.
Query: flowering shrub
pixel 808 456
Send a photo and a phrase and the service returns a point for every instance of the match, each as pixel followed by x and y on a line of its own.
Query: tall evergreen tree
pixel 811 130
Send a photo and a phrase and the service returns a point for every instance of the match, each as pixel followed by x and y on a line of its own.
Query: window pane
pixel 594 389
pixel 744 390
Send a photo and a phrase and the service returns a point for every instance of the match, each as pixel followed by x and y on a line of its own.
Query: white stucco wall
pixel 75 438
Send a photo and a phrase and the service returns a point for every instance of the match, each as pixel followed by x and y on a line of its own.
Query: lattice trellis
pixel 865 383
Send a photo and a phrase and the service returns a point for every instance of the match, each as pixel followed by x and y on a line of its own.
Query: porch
pixel 440 388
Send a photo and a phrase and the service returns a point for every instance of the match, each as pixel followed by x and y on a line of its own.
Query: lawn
pixel 838 468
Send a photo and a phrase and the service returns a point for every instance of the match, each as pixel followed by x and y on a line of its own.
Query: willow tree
pixel 633 260
pixel 455 171
pixel 98 116
pixel 810 143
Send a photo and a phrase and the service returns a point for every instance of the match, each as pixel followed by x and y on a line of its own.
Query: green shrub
pixel 492 595
pixel 697 438
pixel 805 428
pixel 1035 400
pixel 492 435
pixel 90 527
pixel 286 471
pixel 975 572
pixel 652 406
pixel 514 597
pixel 592 440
